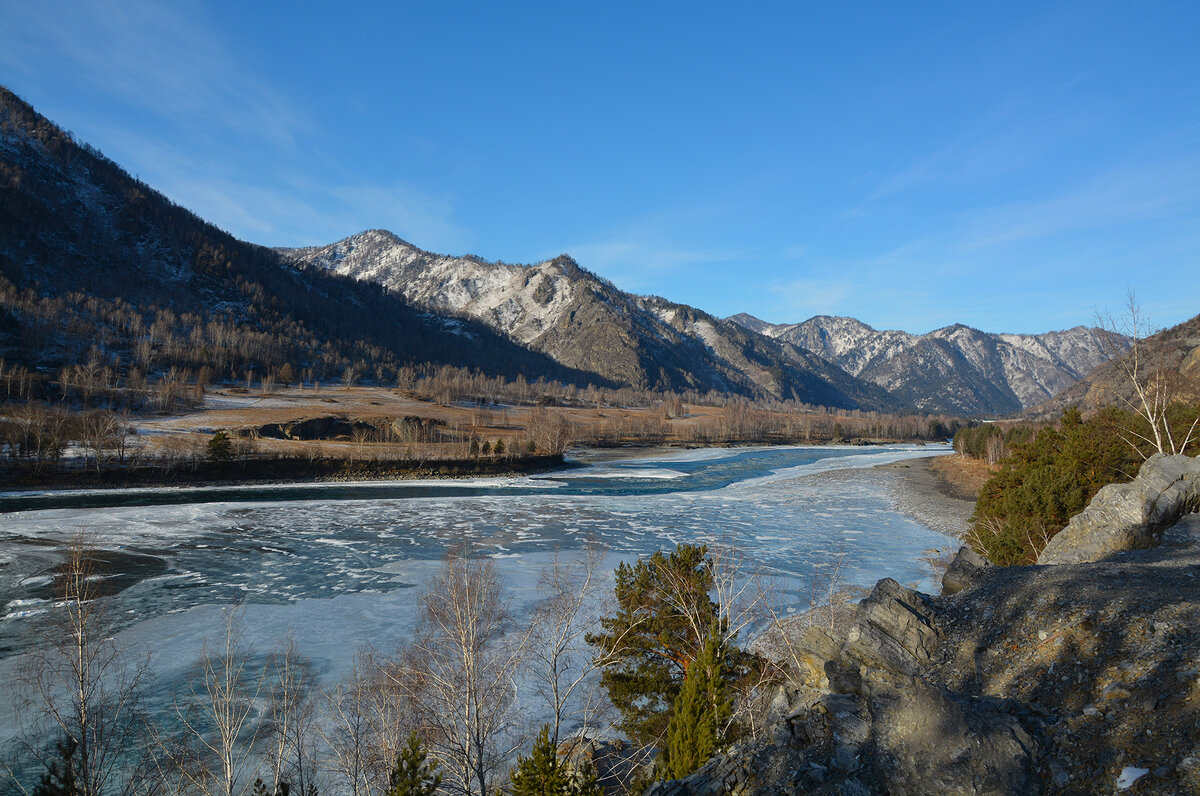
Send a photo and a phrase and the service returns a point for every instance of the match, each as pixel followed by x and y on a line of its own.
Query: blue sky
pixel 1010 166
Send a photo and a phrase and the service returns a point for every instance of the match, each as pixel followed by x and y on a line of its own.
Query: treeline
pixel 992 442
pixel 451 710
pixel 1046 474
pixel 39 442
pixel 740 421
pixel 52 444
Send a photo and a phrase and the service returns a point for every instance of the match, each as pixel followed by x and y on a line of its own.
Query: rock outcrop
pixel 966 569
pixel 1129 516
pixel 1016 680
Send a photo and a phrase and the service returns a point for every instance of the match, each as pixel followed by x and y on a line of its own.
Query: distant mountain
pixel 1174 351
pixel 956 369
pixel 96 265
pixel 584 322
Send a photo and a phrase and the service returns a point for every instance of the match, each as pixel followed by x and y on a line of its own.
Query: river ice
pixel 336 564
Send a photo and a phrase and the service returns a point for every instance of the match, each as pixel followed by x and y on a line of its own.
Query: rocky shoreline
pixel 1080 677
pixel 922 494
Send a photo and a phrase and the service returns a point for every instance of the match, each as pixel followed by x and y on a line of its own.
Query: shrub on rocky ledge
pixel 1046 481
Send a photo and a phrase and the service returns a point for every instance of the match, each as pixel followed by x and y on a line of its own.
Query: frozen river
pixel 336 563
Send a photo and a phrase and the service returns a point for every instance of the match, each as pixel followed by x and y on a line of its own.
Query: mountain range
pixel 584 322
pixel 955 369
pixel 1172 355
pixel 96 265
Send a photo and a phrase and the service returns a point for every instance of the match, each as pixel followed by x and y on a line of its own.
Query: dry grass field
pixel 962 476
pixel 412 427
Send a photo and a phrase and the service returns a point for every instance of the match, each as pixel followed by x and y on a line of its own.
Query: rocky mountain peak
pixel 559 308
pixel 957 368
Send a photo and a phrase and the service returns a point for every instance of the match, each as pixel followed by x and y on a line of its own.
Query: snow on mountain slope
pixel 574 316
pixel 522 301
pixel 957 368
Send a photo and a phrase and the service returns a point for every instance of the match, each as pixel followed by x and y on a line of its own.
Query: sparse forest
pixel 479 701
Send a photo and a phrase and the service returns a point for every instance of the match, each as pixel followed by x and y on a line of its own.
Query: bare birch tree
pixel 217 746
pixel 290 730
pixel 1153 383
pixel 79 689
pixel 361 727
pixel 458 676
pixel 562 664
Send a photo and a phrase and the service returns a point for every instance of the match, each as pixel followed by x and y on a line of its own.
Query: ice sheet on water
pixel 343 571
pixel 628 472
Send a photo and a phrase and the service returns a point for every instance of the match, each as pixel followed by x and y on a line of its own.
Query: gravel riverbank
pixel 919 492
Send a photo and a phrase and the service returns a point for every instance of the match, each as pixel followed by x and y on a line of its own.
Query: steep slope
pixel 955 369
pixel 1175 352
pixel 585 322
pixel 96 264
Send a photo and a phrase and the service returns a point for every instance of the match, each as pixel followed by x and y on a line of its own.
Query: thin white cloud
pixel 1118 197
pixel 291 209
pixel 639 262
pixel 161 57
pixel 800 299
pixel 168 60
pixel 1011 137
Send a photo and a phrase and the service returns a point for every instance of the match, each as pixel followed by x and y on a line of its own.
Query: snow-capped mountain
pixel 956 369
pixel 585 322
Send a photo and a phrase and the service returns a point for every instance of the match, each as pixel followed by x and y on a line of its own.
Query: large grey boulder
pixel 1184 532
pixel 967 569
pixel 893 630
pixel 1129 516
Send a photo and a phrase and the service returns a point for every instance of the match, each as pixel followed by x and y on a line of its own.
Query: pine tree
pixel 700 712
pixel 412 776
pixel 540 774
pixel 649 643
pixel 282 789
pixel 220 448
pixel 582 780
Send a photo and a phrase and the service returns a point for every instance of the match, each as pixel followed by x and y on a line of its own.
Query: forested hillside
pixel 100 272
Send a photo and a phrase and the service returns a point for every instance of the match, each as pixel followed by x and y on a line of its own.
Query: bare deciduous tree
pixel 551 433
pixel 1153 383
pixel 216 751
pixel 290 731
pixel 77 687
pixel 458 676
pixel 562 664
pixel 361 727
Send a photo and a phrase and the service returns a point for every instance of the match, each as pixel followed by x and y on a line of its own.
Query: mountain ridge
pixel 75 227
pixel 95 264
pixel 583 321
pixel 955 368
pixel 1174 351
